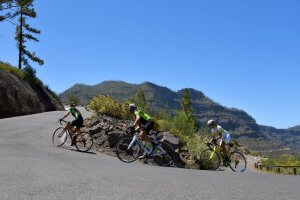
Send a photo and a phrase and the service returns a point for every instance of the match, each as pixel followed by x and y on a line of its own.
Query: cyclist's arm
pixel 66 115
pixel 137 121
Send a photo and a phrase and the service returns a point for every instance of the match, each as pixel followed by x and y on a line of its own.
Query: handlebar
pixel 62 121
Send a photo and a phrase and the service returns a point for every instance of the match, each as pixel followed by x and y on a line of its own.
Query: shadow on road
pixel 71 149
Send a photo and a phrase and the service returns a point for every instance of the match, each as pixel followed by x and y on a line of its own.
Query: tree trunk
pixel 21 40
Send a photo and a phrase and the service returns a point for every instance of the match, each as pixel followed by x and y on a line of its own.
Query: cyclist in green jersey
pixel 78 122
pixel 144 123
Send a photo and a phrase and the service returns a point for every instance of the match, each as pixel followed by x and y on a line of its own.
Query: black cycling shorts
pixel 77 122
pixel 149 126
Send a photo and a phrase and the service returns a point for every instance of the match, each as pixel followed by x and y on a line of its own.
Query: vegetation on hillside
pixel 159 99
pixel 183 124
pixel 286 160
pixel 27 74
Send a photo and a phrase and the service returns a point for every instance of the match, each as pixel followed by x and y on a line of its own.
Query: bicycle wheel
pixel 164 155
pixel 59 137
pixel 238 162
pixel 125 154
pixel 84 142
pixel 209 160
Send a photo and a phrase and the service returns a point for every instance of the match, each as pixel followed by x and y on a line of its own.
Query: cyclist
pixel 77 123
pixel 220 135
pixel 144 123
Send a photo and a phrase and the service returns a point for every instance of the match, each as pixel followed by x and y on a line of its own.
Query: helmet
pixel 211 122
pixel 132 107
pixel 72 104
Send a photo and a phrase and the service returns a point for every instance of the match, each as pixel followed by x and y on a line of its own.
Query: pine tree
pixel 140 100
pixel 187 107
pixel 24 32
pixel 23 9
pixel 186 102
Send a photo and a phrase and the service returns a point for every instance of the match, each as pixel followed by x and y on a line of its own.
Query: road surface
pixel 32 168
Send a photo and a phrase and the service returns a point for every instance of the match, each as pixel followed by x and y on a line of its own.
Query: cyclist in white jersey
pixel 220 135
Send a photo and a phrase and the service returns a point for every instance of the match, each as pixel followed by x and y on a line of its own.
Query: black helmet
pixel 72 104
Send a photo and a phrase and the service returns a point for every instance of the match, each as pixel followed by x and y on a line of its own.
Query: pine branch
pixel 30 37
pixel 30 29
pixel 33 57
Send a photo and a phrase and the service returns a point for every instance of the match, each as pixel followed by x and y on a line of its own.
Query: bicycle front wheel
pixel 238 162
pixel 59 137
pixel 209 160
pixel 84 142
pixel 164 155
pixel 125 153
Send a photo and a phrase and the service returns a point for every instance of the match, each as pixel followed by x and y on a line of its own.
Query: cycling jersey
pixel 219 131
pixel 144 117
pixel 75 113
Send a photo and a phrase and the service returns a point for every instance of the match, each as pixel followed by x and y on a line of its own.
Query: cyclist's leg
pixel 148 127
pixel 144 136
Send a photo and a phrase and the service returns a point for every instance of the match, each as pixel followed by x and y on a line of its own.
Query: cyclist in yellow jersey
pixel 144 123
pixel 220 135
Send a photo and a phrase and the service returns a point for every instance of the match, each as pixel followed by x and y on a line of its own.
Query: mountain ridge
pixel 237 121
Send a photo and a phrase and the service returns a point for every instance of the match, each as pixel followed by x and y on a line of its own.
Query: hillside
pixel 19 97
pixel 242 125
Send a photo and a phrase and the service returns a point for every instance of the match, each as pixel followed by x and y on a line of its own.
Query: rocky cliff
pixel 18 97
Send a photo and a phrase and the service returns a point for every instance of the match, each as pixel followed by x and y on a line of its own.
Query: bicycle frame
pixel 136 138
pixel 217 149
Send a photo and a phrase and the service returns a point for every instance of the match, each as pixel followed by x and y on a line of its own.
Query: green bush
pixel 183 128
pixel 30 76
pixel 13 70
pixel 184 123
pixel 105 105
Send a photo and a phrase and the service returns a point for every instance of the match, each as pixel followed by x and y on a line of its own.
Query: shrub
pixel 30 76
pixel 13 70
pixel 105 105
pixel 183 123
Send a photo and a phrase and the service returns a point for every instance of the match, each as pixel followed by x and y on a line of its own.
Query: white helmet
pixel 132 107
pixel 211 122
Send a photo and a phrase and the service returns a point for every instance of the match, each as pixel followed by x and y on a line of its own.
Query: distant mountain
pixel 242 125
pixel 295 128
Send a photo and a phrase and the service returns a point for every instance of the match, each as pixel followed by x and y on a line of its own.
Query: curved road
pixel 32 168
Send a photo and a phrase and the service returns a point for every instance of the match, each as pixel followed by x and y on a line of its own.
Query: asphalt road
pixel 32 168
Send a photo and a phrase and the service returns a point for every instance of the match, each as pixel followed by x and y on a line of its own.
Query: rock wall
pixel 17 97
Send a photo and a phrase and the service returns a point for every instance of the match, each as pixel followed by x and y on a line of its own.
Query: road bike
pixel 83 142
pixel 210 159
pixel 130 148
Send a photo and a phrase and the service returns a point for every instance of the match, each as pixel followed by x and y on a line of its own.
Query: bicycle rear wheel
pixel 59 137
pixel 165 155
pixel 209 160
pixel 238 162
pixel 84 142
pixel 125 154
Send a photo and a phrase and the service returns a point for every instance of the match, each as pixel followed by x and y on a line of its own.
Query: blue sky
pixel 243 54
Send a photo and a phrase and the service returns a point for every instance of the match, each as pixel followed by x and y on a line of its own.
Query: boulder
pixel 170 139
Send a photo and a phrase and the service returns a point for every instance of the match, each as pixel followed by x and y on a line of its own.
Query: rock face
pixel 18 97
